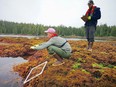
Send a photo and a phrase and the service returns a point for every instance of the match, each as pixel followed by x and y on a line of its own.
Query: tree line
pixel 7 27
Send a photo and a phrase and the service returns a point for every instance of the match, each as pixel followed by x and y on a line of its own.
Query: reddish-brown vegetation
pixel 83 69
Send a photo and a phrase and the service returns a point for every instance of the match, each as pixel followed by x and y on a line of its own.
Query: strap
pixel 90 11
pixel 63 44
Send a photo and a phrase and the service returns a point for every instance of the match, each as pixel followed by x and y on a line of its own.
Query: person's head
pixel 90 3
pixel 50 32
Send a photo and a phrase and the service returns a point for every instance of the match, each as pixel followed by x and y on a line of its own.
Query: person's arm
pixel 43 45
pixel 97 14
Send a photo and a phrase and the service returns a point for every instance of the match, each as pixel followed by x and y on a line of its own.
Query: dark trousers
pixel 90 31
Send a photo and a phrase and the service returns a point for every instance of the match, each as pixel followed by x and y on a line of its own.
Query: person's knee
pixel 88 39
pixel 91 40
pixel 51 49
pixel 67 55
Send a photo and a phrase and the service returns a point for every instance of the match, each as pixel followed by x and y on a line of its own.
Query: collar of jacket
pixel 90 11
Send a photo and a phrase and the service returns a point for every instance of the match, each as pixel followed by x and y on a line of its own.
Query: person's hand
pixel 84 18
pixel 33 47
pixel 89 17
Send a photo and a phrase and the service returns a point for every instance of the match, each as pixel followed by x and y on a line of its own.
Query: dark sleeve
pixel 97 14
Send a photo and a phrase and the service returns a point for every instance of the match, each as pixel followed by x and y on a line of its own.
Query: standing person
pixel 90 19
pixel 56 45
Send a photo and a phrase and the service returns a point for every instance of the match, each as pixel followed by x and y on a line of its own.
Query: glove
pixel 89 17
pixel 33 47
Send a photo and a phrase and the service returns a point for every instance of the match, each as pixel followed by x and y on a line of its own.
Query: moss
pixel 76 65
pixel 110 66
pixel 101 65
pixel 97 74
pixel 97 65
pixel 85 71
pixel 101 70
pixel 81 60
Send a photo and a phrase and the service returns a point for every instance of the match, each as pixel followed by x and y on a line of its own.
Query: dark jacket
pixel 95 16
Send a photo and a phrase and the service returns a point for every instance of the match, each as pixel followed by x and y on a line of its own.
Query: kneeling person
pixel 56 46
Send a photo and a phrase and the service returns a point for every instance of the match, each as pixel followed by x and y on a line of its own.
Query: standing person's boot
pixel 59 60
pixel 90 46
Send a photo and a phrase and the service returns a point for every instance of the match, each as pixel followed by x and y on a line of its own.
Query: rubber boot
pixel 59 60
pixel 87 46
pixel 90 46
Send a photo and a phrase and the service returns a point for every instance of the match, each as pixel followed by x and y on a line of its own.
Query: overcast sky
pixel 55 12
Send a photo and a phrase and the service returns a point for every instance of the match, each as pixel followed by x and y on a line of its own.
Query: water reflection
pixel 77 39
pixel 8 78
pixel 29 37
pixel 24 36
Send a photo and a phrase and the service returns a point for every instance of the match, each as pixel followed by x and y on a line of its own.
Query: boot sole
pixel 58 64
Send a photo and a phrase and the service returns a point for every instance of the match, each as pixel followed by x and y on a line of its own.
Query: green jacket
pixel 55 41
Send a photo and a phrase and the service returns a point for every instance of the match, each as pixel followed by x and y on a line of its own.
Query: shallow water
pixel 8 78
pixel 77 39
pixel 24 36
pixel 30 36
